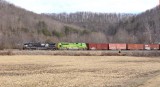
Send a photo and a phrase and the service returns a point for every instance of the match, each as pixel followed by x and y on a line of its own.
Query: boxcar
pixel 135 46
pixel 97 46
pixel 151 46
pixel 117 46
pixel 71 46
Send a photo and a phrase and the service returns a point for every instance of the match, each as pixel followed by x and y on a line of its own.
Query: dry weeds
pixel 82 71
pixel 144 53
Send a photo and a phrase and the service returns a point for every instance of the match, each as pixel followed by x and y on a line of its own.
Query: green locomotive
pixel 71 46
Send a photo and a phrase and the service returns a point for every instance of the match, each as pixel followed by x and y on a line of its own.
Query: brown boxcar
pixel 151 46
pixel 135 47
pixel 117 46
pixel 98 46
pixel 105 46
pixel 91 46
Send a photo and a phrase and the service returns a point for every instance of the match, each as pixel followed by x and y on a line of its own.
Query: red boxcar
pixel 98 46
pixel 92 46
pixel 135 47
pixel 112 46
pixel 117 46
pixel 151 46
pixel 121 46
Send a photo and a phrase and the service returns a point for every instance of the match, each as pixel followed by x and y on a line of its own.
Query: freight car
pixel 151 46
pixel 97 46
pixel 119 46
pixel 135 46
pixel 71 46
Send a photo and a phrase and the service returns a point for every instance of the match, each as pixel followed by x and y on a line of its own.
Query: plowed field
pixel 79 71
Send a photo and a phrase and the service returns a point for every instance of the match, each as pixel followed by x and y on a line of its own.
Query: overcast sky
pixel 104 6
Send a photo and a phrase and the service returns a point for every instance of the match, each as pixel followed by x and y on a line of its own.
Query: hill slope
pixel 92 21
pixel 143 28
pixel 118 28
pixel 18 26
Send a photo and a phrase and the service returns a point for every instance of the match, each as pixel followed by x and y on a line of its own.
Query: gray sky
pixel 104 6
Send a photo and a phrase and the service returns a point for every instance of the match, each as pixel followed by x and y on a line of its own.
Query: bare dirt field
pixel 79 71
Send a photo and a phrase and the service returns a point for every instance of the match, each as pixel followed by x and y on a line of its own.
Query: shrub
pixel 68 30
pixel 57 34
pixel 46 32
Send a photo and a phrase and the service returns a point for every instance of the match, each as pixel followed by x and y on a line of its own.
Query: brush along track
pixel 83 52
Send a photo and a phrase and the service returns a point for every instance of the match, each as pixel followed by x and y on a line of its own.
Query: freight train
pixel 89 46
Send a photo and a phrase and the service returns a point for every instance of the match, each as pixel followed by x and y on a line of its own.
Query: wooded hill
pixel 18 26
pixel 143 28
pixel 118 28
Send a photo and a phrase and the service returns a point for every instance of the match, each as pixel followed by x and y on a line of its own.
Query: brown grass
pixel 153 53
pixel 81 71
pixel 7 52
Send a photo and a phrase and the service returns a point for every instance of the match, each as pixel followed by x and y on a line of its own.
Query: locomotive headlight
pixel 47 45
pixel 26 45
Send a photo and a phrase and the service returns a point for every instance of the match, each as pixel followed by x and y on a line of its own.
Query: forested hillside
pixel 100 27
pixel 92 21
pixel 118 28
pixel 143 28
pixel 18 26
